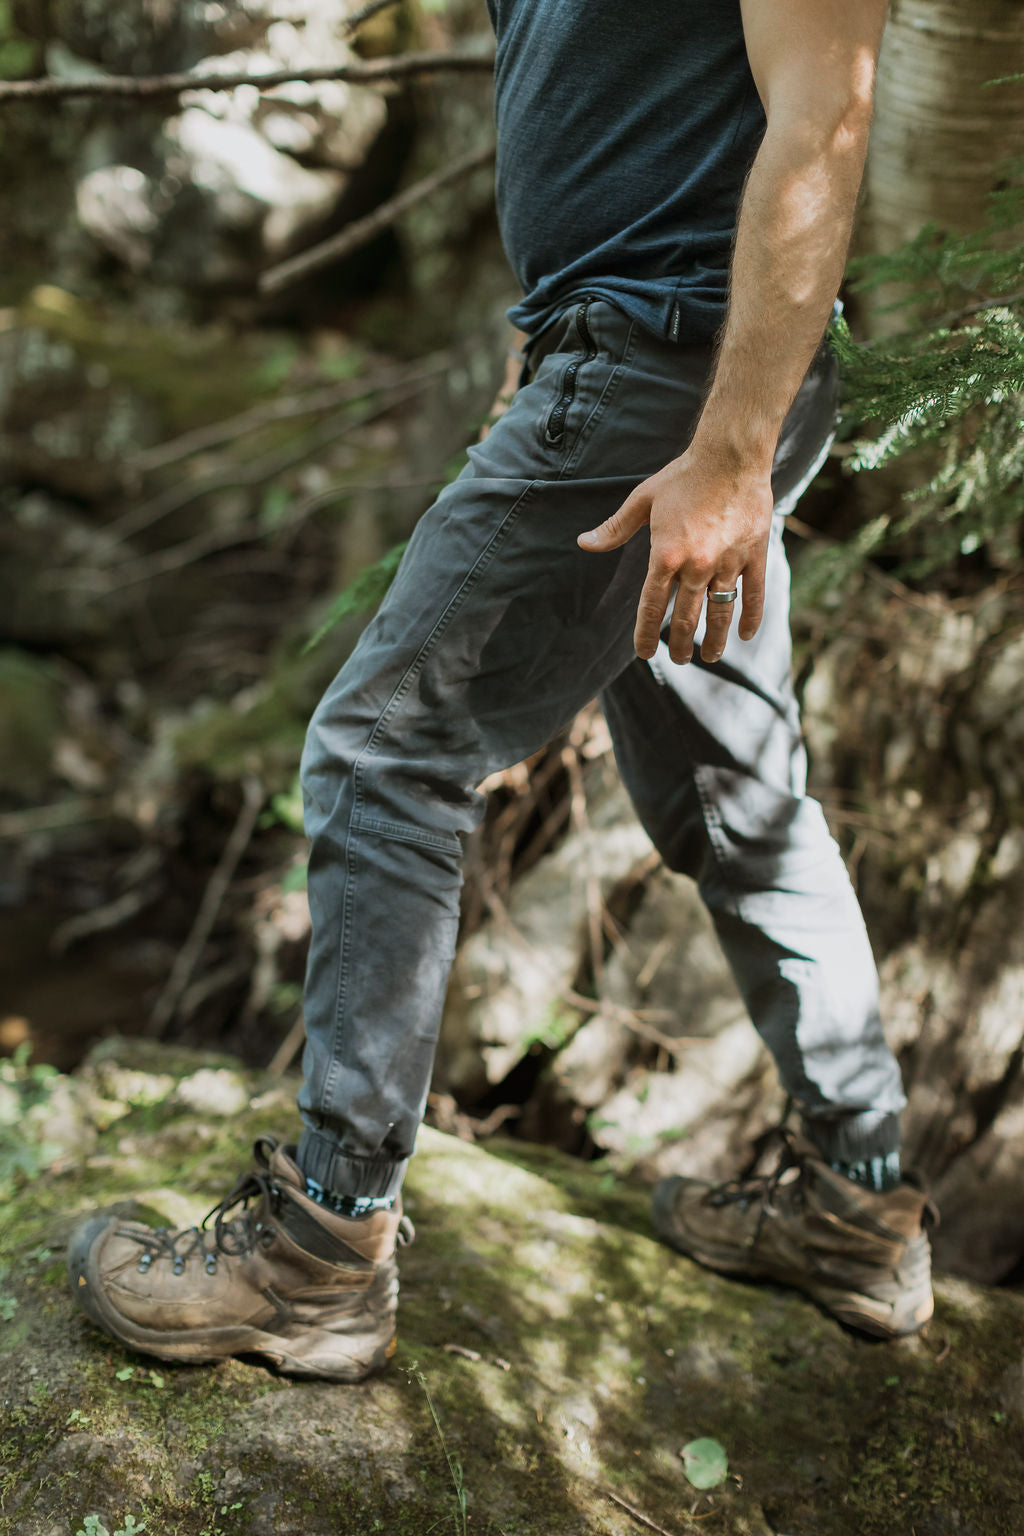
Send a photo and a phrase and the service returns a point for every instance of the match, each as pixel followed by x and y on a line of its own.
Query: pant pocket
pixel 554 424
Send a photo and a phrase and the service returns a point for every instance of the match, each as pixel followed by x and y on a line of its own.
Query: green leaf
pixel 367 590
pixel 8 1307
pixel 125 1373
pixel 277 498
pixel 296 878
pixel 705 1463
pixel 287 808
pixel 92 1526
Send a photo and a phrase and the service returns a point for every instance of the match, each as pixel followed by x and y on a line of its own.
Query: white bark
pixel 941 133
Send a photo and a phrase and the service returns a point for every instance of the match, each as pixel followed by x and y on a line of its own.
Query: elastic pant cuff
pixel 853 1138
pixel 373 1178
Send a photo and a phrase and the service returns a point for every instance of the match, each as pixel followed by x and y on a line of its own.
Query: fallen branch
pixel 403 66
pixel 286 408
pixel 211 541
pixel 581 826
pixel 52 818
pixel 102 919
pixel 463 1352
pixel 288 1049
pixel 363 230
pixel 234 476
pixel 213 898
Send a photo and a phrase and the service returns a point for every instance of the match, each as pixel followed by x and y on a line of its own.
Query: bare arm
pixel 710 510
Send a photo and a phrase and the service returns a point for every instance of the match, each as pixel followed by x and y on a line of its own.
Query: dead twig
pixel 455 1122
pixel 581 826
pixel 637 1514
pixel 213 897
pixel 231 974
pixel 402 66
pixel 176 557
pixel 319 499
pixel 288 1049
pixel 652 965
pixel 462 1352
pixel 634 1019
pixel 363 230
pixel 235 476
pixel 52 818
pixel 288 408
pixel 101 919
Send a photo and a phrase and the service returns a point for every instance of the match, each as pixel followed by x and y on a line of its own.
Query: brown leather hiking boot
pixel 863 1257
pixel 312 1292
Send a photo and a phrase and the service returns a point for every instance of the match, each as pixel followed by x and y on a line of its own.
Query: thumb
pixel 616 530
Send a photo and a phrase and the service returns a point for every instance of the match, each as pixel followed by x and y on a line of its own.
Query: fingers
pixel 716 631
pixel 650 613
pixel 616 530
pixel 685 618
pixel 753 601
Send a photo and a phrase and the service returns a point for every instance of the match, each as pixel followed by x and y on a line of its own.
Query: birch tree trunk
pixel 941 132
pixel 933 691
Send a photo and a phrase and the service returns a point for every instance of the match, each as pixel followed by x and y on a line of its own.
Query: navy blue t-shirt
pixel 625 133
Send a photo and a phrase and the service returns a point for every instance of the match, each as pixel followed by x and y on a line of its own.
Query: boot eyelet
pixel 179 1266
pixel 211 1263
pixel 145 1262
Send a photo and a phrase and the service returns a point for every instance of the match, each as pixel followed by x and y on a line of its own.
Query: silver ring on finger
pixel 723 597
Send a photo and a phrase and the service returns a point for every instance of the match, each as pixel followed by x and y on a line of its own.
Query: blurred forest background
pixel 211 447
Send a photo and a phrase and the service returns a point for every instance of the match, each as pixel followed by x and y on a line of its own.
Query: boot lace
pixel 762 1188
pixel 236 1236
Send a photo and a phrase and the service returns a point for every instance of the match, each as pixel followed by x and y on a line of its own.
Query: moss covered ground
pixel 553 1360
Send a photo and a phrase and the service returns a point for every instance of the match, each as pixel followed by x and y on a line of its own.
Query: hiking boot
pixel 862 1256
pixel 312 1292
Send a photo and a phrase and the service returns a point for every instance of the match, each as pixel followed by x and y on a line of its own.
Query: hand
pixel 709 530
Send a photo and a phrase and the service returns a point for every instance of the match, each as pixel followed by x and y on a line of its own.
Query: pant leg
pixel 714 761
pixel 497 629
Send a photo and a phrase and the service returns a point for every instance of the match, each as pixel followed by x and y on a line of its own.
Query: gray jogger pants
pixel 495 632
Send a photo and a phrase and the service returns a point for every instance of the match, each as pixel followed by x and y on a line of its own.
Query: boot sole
pixel 315 1353
pixel 871 1315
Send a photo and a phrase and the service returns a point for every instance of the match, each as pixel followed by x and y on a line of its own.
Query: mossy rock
pixel 553 1361
pixel 186 375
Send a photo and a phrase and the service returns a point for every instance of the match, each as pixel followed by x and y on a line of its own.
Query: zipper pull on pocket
pixel 555 429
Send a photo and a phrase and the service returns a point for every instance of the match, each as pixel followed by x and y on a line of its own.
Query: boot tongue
pixel 284 1169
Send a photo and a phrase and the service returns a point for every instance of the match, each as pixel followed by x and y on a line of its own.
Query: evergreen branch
pixel 363 593
pixel 403 66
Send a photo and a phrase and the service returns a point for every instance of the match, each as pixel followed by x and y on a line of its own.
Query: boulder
pixel 553 1362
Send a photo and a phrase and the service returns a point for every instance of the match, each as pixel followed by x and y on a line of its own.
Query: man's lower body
pixel 496 631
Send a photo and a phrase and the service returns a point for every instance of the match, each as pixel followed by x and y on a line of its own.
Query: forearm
pixel 710 510
pixel 790 251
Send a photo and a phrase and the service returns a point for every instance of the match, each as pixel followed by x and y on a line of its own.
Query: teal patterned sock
pixel 353 1207
pixel 877 1173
